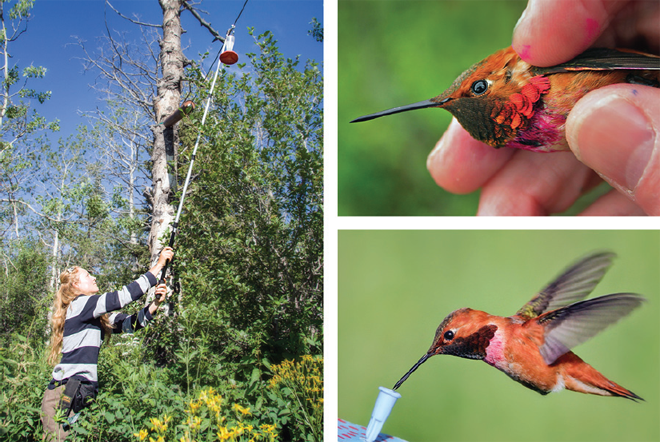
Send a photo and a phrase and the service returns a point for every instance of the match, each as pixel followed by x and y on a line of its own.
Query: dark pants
pixel 53 432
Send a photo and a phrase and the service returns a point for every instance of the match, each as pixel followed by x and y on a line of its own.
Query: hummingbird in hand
pixel 533 346
pixel 505 101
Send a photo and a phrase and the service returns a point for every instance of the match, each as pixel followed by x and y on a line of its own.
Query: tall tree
pixel 150 81
pixel 18 120
pixel 166 102
pixel 120 141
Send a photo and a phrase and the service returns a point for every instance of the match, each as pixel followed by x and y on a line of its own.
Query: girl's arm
pixel 96 306
pixel 124 323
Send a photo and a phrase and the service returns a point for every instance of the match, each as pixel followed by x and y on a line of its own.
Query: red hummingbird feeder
pixel 228 56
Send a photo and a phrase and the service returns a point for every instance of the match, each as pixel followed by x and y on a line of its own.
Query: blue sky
pixel 49 41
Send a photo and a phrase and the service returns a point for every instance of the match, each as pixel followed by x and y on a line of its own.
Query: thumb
pixel 614 131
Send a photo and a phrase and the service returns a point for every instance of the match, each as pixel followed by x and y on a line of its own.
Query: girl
pixel 80 322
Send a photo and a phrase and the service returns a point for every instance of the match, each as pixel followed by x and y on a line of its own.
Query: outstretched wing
pixel 604 59
pixel 570 326
pixel 575 283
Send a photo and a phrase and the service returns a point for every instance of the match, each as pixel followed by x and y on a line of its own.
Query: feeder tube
pixel 384 403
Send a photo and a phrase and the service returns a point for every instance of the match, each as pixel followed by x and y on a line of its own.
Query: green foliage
pixel 298 391
pixel 24 377
pixel 138 401
pixel 207 418
pixel 34 72
pixel 20 123
pixel 21 9
pixel 250 249
pixel 317 30
pixel 23 289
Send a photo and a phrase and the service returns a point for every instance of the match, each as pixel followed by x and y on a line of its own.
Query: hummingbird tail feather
pixel 588 380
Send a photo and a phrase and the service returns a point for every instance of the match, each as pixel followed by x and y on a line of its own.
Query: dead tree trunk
pixel 168 78
pixel 166 102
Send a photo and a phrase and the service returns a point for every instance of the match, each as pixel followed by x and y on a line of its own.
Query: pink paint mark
pixel 593 30
pixel 524 52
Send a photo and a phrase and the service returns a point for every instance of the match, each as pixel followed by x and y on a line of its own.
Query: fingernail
pixel 438 147
pixel 615 139
pixel 521 19
pixel 442 142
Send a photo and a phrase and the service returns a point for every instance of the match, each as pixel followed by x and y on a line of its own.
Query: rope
pixel 231 29
pixel 239 14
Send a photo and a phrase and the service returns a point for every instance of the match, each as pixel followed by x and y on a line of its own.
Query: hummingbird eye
pixel 449 335
pixel 479 87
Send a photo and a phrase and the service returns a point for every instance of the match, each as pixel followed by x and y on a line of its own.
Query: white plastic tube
pixel 384 403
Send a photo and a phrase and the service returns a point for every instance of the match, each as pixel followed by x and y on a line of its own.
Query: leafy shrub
pixel 24 379
pixel 207 419
pixel 298 387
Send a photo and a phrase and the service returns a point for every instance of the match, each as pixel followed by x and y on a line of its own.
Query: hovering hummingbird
pixel 505 101
pixel 533 346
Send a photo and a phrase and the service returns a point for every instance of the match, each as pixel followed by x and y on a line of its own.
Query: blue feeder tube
pixel 384 403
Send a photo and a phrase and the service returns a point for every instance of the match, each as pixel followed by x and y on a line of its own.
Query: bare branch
pixel 29 206
pixel 125 72
pixel 203 22
pixel 130 19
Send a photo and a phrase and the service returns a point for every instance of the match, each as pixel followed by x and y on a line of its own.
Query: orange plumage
pixel 533 346
pixel 504 101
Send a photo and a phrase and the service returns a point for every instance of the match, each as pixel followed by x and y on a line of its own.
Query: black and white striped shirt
pixel 83 333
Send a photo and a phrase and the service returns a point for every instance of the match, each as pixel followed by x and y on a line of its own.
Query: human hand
pixel 161 293
pixel 166 254
pixel 606 136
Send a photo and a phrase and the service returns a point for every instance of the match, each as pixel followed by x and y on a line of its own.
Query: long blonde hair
pixel 65 294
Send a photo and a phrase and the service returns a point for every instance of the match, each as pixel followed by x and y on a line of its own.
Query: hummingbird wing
pixel 597 59
pixel 575 283
pixel 572 325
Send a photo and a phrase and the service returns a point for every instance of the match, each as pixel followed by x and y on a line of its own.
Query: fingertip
pixel 550 32
pixel 460 164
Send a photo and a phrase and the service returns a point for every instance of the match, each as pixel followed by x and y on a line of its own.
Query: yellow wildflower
pixel 223 434
pixel 196 423
pixel 242 410
pixel 142 435
pixel 268 428
pixel 194 406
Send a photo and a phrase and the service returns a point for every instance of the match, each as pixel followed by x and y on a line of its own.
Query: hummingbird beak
pixel 405 376
pixel 420 105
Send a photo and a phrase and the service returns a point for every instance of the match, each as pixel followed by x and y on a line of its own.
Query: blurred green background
pixel 399 52
pixel 395 287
